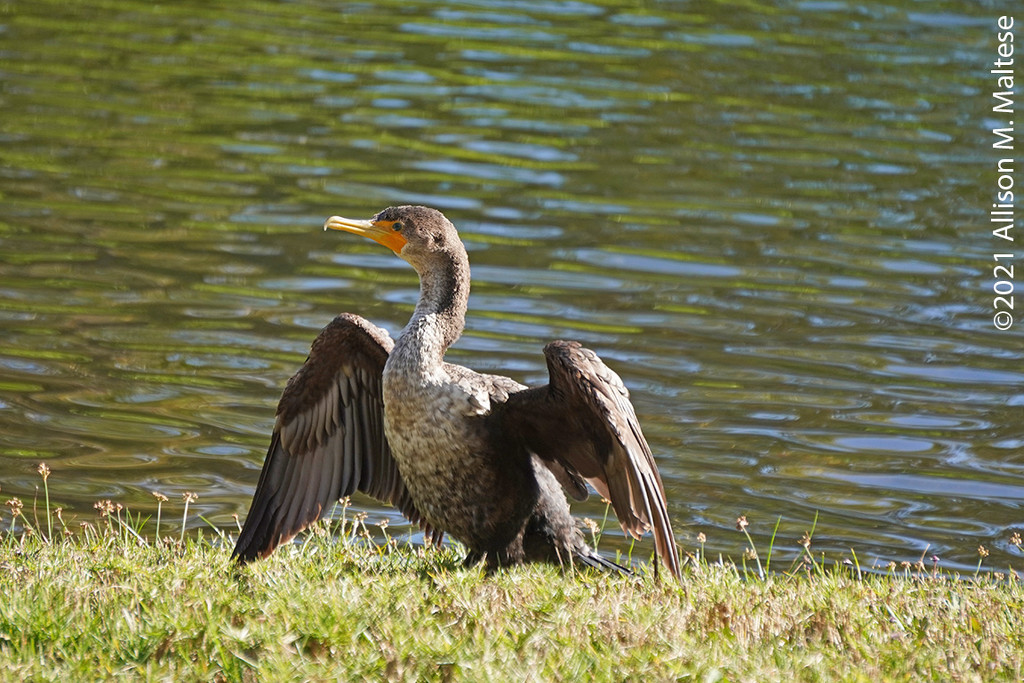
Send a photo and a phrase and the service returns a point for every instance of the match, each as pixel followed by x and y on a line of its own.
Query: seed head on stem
pixel 189 497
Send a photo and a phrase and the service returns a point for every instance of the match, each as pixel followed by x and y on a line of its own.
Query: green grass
pixel 107 601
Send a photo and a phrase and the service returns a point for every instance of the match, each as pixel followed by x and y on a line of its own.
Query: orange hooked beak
pixel 381 232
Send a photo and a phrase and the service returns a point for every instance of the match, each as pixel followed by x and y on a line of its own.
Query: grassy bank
pixel 105 601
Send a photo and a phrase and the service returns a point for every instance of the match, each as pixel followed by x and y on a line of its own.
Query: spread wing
pixel 584 424
pixel 328 439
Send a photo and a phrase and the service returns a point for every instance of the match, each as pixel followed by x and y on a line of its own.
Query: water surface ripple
pixel 770 222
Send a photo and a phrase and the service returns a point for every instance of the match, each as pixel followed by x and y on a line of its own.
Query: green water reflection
pixel 765 216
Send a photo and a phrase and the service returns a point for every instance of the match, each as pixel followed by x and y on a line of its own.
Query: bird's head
pixel 418 234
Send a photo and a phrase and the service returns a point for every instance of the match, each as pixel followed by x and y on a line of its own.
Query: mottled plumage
pixel 479 457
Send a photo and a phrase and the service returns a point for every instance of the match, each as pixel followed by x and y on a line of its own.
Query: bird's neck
pixel 440 313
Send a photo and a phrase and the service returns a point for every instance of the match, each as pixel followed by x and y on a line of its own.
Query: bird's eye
pixel 397 226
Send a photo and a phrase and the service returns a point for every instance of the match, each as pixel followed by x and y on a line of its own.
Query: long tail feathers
pixel 593 559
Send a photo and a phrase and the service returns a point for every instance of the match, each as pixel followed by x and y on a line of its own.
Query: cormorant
pixel 480 457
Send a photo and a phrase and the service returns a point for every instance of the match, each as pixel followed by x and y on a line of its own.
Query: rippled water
pixel 769 218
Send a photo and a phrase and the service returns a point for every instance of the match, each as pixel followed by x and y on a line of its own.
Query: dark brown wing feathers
pixel 583 421
pixel 328 440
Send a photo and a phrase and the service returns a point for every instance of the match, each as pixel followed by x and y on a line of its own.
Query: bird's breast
pixel 430 417
pixel 457 479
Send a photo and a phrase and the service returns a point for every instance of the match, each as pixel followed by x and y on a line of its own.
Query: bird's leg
pixel 473 558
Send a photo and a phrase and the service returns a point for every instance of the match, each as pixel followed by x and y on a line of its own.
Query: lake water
pixel 770 218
